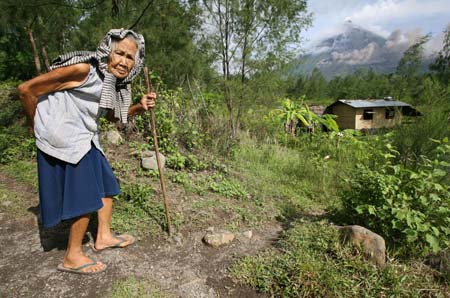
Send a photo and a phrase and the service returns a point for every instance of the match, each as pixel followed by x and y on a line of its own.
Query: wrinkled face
pixel 122 57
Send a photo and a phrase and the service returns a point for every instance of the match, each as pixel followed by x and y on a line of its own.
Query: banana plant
pixel 291 114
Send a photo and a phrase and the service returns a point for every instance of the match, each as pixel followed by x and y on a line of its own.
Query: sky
pixel 412 17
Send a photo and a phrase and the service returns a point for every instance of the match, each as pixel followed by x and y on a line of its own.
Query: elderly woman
pixel 63 107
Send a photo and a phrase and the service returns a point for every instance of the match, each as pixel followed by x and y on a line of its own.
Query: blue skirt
pixel 67 191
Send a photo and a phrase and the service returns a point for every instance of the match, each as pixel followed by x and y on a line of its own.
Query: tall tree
pixel 168 27
pixel 441 66
pixel 316 86
pixel 42 24
pixel 245 35
pixel 406 79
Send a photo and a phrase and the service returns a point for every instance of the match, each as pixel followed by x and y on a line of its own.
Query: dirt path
pixel 186 268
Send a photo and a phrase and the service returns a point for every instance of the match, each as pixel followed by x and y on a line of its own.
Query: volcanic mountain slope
pixel 352 49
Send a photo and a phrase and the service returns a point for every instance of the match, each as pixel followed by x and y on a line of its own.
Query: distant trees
pixel 248 36
pixel 441 66
pixel 30 28
pixel 408 82
pixel 32 33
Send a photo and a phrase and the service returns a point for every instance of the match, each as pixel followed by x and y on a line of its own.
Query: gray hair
pixel 130 36
pixel 115 40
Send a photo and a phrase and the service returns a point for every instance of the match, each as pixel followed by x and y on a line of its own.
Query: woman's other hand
pixel 148 100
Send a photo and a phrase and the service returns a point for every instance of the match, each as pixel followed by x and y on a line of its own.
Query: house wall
pixel 379 119
pixel 345 116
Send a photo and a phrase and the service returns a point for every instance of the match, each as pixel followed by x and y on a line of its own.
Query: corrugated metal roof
pixel 373 103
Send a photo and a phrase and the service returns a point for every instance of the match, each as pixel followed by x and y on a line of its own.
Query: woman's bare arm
pixel 56 80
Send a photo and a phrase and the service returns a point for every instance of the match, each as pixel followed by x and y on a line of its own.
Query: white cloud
pixel 379 16
pixel 388 9
pixel 385 12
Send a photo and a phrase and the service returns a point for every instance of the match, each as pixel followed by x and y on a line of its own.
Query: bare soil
pixel 183 267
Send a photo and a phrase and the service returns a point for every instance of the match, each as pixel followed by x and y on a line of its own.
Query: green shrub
pixel 194 164
pixel 412 138
pixel 227 188
pixel 176 161
pixel 180 178
pixel 15 144
pixel 139 211
pixel 410 208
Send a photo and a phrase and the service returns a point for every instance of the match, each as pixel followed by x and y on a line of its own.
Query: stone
pixel 178 239
pixel 114 137
pixel 149 162
pixel 197 288
pixel 218 238
pixel 373 245
pixel 6 203
pixel 248 234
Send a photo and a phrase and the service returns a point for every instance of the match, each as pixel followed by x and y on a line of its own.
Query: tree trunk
pixel 45 58
pixel 37 62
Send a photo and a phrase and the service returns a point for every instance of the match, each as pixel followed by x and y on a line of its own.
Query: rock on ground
pixel 149 162
pixel 113 137
pixel 218 238
pixel 372 244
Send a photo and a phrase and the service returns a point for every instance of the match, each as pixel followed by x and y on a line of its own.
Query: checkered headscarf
pixel 116 94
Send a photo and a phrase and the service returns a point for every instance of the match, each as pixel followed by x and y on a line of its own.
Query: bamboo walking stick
pixel 155 140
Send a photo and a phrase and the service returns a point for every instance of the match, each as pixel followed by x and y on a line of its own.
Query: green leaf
pixel 435 231
pixel 435 197
pixel 439 173
pixel 360 209
pixel 409 219
pixel 444 164
pixel 433 242
pixel 411 235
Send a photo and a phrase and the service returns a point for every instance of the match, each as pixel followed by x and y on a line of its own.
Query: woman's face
pixel 121 60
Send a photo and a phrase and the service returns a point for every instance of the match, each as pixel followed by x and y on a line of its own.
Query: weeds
pixel 138 210
pixel 24 171
pixel 13 202
pixel 312 263
pixel 134 288
pixel 411 208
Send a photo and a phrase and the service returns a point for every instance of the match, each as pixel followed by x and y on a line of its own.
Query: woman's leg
pixel 104 236
pixel 74 255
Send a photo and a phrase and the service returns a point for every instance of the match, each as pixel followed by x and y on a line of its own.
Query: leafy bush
pixel 15 145
pixel 176 161
pixel 412 138
pixel 226 188
pixel 411 208
pixel 194 164
pixel 180 178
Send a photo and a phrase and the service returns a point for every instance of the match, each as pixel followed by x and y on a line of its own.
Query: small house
pixel 369 113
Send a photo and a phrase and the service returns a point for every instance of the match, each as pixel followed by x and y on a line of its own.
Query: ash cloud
pixel 390 51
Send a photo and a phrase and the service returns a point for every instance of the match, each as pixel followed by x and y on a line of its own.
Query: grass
pixel 285 177
pixel 138 211
pixel 24 171
pixel 12 202
pixel 134 288
pixel 311 262
pixel 297 181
